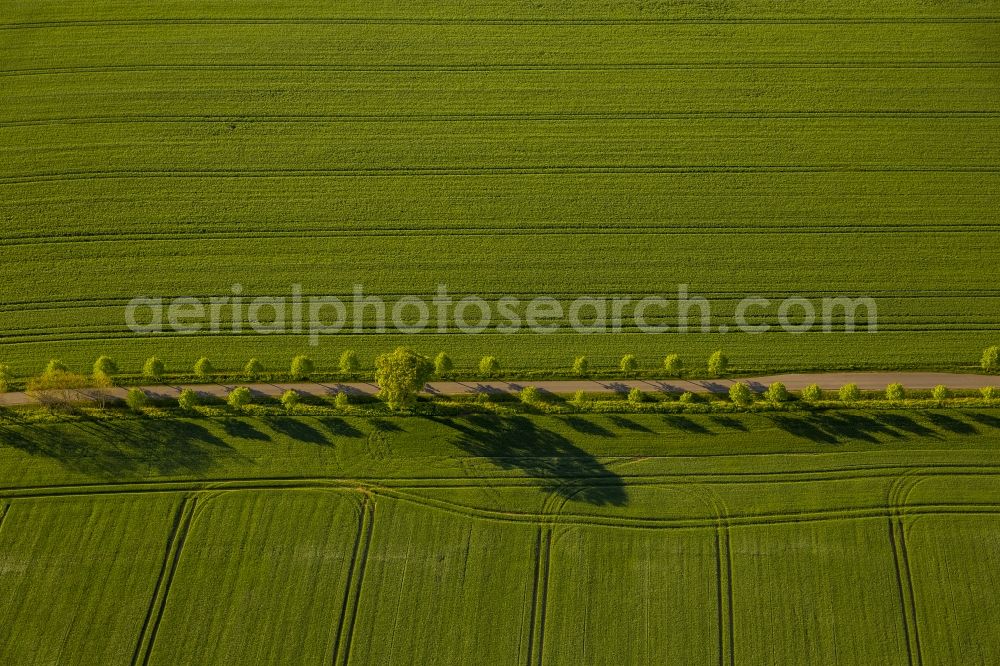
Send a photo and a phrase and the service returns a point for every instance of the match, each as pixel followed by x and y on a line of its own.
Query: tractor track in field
pixel 157 604
pixel 355 579
pixel 898 495
pixel 539 596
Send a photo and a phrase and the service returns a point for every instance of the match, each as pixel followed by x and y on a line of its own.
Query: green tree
pixel 991 359
pixel 302 367
pixel 777 392
pixel 105 368
pixel 628 365
pixel 741 394
pixel 400 375
pixel 941 393
pixel 581 366
pixel 850 393
pixel 812 393
pixel 688 397
pixel 718 364
pixel 349 363
pixel 290 400
pixel 443 365
pixel 253 369
pixel 153 368
pixel 895 392
pixel 188 400
pixel 580 399
pixel 990 392
pixel 203 369
pixel 342 401
pixel 673 365
pixel 136 399
pixel 58 388
pixel 489 367
pixel 54 366
pixel 636 396
pixel 530 395
pixel 6 376
pixel 239 397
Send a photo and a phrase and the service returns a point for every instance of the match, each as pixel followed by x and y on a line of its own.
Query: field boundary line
pixel 157 604
pixel 354 583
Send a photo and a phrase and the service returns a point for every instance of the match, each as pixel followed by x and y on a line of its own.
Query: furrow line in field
pixel 498 67
pixel 477 21
pixel 491 117
pixel 157 604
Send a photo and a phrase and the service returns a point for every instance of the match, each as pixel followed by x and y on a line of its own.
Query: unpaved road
pixel 794 382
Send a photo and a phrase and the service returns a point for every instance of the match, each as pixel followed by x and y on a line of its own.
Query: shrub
pixel 54 366
pixel 203 368
pixel 136 399
pixel 740 394
pixel 153 368
pixel 812 393
pixel 253 369
pixel 349 363
pixel 530 395
pixel 688 398
pixel 302 367
pixel 188 400
pixel 991 359
pixel 850 393
pixel 342 401
pixel 673 365
pixel 941 392
pixel 895 392
pixel 400 375
pixel 489 366
pixel 105 368
pixel 718 364
pixel 628 364
pixel 636 396
pixel 443 365
pixel 777 392
pixel 5 378
pixel 239 397
pixel 290 400
pixel 990 392
pixel 57 388
pixel 580 398
pixel 581 366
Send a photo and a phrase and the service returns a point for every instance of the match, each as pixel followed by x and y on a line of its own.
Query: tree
pixel 290 400
pixel 530 395
pixel 673 365
pixel 302 367
pixel 342 401
pixel 239 397
pixel 812 393
pixel 349 363
pixel 5 378
pixel 990 392
pixel 580 399
pixel 581 366
pixel 443 365
pixel 253 369
pixel 188 400
pixel 105 368
pixel 636 396
pixel 203 368
pixel 895 392
pixel 991 359
pixel 941 393
pixel 55 365
pixel 153 368
pixel 400 375
pixel 628 365
pixel 718 364
pixel 850 393
pixel 688 397
pixel 58 388
pixel 136 399
pixel 741 394
pixel 777 392
pixel 489 367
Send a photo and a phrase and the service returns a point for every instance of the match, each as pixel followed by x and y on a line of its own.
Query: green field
pixel 827 538
pixel 563 147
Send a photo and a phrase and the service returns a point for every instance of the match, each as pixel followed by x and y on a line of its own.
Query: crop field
pixel 561 148
pixel 828 538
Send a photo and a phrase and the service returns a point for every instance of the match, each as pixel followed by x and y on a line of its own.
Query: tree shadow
pixel 517 442
pixel 243 430
pixel 834 428
pixel 987 420
pixel 950 423
pixel 125 449
pixel 382 425
pixel 729 422
pixel 297 429
pixel 627 424
pixel 586 426
pixel 339 427
pixel 684 424
pixel 905 423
